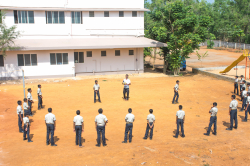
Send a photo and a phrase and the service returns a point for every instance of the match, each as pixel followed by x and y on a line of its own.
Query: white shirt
pixel 29 96
pixel 236 80
pixel 26 120
pixel 96 86
pixel 130 118
pixel 39 92
pixel 180 114
pixel 126 82
pixel 78 120
pixel 233 104
pixel 214 111
pixel 50 118
pixel 101 119
pixel 248 99
pixel 241 80
pixel 25 106
pixel 19 109
pixel 176 87
pixel 151 118
pixel 244 85
pixel 244 93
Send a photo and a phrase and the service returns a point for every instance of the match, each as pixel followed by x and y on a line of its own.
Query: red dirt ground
pixel 197 94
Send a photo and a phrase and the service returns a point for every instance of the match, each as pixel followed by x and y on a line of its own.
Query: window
pixel 27 59
pixel 76 17
pixel 117 52
pixel 103 53
pixel 121 14
pixel 134 13
pixel 89 53
pixel 79 57
pixel 59 58
pixel 23 17
pixel 91 14
pixel 131 52
pixel 1 60
pixel 55 17
pixel 106 13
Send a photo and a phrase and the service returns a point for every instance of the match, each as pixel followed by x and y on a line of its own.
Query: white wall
pixel 75 3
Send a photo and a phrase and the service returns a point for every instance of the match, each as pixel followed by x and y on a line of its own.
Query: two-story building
pixel 68 37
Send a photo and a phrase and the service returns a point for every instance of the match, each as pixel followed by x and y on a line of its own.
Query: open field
pixel 197 94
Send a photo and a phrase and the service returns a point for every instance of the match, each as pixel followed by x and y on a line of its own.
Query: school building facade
pixel 70 37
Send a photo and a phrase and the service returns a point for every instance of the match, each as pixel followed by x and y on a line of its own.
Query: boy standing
pixel 233 113
pixel 20 115
pixel 176 93
pixel 96 88
pixel 126 82
pixel 236 85
pixel 244 98
pixel 241 82
pixel 40 97
pixel 25 106
pixel 213 119
pixel 50 122
pixel 129 119
pixel 78 127
pixel 100 123
pixel 247 110
pixel 150 125
pixel 30 101
pixel 180 118
pixel 26 127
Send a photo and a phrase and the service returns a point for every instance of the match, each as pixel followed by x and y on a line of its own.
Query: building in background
pixel 70 37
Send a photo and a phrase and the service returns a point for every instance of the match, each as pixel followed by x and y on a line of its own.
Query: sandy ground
pixel 197 94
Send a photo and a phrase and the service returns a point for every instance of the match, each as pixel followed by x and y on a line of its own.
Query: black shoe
pixel 97 145
pixel 104 144
pixel 25 139
pixel 30 141
pixel 183 136
pixel 54 145
pixel 150 138
pixel 244 120
pixel 206 134
pixel 145 138
pixel 172 103
pixel 235 127
pixel 214 133
pixel 229 129
pixel 124 142
pixel 130 141
pixel 38 109
pixel 99 101
pixel 47 143
pixel 175 136
pixel 94 101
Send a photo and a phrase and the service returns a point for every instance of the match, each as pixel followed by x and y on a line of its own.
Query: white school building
pixel 71 37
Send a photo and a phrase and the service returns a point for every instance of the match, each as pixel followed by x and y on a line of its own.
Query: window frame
pixel 2 57
pixel 102 55
pixel 107 12
pixel 93 14
pixel 89 52
pixel 119 52
pixel 78 57
pixel 16 16
pixel 74 12
pixel 24 60
pixel 120 14
pixel 136 13
pixel 62 58
pixel 129 52
pixel 52 17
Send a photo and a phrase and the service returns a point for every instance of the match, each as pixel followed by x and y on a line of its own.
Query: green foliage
pixel 147 52
pixel 7 36
pixel 210 43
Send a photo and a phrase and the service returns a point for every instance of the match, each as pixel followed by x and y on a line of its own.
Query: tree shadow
pixel 242 117
pixel 56 139
pixel 227 124
pixel 31 136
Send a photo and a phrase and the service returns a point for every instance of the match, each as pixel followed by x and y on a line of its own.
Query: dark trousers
pixel 151 131
pixel 20 123
pixel 78 135
pixel 233 118
pixel 236 88
pixel 26 133
pixel 101 129
pixel 26 112
pixel 126 90
pixel 240 87
pixel 30 109
pixel 244 103
pixel 247 111
pixel 213 120
pixel 98 94
pixel 40 102
pixel 128 128
pixel 176 94
pixel 180 122
pixel 50 130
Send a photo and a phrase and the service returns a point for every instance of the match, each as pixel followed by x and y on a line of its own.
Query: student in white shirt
pixel 40 97
pixel 20 115
pixel 30 101
pixel 176 92
pixel 78 127
pixel 247 109
pixel 25 106
pixel 244 98
pixel 236 85
pixel 126 82
pixel 241 82
pixel 96 89
pixel 50 122
pixel 129 119
pixel 213 119
pixel 100 124
pixel 233 113
pixel 26 127
pixel 150 125
pixel 180 118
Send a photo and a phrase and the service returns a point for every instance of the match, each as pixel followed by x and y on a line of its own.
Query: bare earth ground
pixel 197 94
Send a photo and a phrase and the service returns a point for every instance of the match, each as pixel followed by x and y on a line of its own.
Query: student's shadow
pixel 242 117
pixel 31 120
pixel 82 140
pixel 175 131
pixel 33 113
pixel 31 136
pixel 227 124
pixel 56 139
pixel 206 128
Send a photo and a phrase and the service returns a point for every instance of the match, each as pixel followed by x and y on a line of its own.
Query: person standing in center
pixel 150 125
pixel 129 119
pixel 78 127
pixel 213 119
pixel 180 118
pixel 100 123
pixel 236 85
pixel 30 101
pixel 96 88
pixel 176 92
pixel 233 113
pixel 50 122
pixel 126 82
pixel 40 97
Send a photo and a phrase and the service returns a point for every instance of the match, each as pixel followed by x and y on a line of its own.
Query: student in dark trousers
pixel 30 101
pixel 50 122
pixel 244 99
pixel 213 119
pixel 180 118
pixel 100 123
pixel 96 88
pixel 236 85
pixel 126 82
pixel 176 92
pixel 247 109
pixel 78 128
pixel 150 125
pixel 26 128
pixel 20 115
pixel 233 113
pixel 129 119
pixel 25 106
pixel 241 82
pixel 40 97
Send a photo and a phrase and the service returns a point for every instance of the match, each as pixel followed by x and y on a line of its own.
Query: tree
pixel 210 43
pixel 7 36
pixel 201 56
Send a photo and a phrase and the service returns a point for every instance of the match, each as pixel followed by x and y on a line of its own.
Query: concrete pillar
pixel 235 46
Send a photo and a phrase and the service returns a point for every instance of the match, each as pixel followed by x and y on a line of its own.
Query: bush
pixel 210 44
